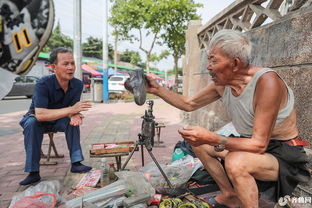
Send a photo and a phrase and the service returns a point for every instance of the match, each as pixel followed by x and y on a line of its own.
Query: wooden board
pixel 114 147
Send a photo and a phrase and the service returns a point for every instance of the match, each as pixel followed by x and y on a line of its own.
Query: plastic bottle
pixel 111 172
pixel 104 174
pixel 178 153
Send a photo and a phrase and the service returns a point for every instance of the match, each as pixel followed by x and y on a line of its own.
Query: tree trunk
pixel 147 63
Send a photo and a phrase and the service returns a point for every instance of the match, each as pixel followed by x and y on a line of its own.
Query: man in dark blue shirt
pixel 55 106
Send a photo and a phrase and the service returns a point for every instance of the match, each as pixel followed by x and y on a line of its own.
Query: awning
pixel 90 70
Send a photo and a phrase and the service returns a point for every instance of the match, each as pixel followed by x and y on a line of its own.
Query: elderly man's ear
pixel 238 64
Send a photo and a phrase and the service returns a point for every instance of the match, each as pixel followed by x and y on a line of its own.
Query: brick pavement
pixel 103 123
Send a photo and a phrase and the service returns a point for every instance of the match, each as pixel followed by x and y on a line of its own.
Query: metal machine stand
pixel 142 143
pixel 146 139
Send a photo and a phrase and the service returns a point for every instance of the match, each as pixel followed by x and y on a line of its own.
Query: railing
pixel 243 15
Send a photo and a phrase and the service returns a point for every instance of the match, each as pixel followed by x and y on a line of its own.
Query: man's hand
pixel 152 86
pixel 83 105
pixel 76 120
pixel 196 136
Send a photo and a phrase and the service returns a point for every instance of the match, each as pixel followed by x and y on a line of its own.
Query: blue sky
pixel 92 15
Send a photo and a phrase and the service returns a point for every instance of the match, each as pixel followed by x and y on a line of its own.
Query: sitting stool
pixel 158 127
pixel 48 155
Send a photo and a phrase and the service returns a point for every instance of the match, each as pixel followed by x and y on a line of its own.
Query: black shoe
pixel 33 177
pixel 136 85
pixel 77 167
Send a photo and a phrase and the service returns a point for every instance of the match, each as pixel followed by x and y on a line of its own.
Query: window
pixel 31 79
pixel 20 79
pixel 116 79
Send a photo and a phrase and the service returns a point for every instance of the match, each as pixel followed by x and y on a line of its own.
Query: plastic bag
pixel 39 200
pixel 137 183
pixel 178 175
pixel 47 187
pixel 189 161
pixel 100 196
pixel 114 202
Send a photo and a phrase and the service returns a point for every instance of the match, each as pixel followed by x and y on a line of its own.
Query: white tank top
pixel 240 108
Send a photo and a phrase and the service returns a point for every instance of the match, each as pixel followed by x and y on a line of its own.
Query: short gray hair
pixel 55 51
pixel 233 43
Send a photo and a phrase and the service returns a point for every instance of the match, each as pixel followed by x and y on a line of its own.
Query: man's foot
pixel 230 202
pixel 31 178
pixel 77 167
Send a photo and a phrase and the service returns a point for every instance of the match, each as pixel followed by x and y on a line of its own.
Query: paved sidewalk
pixel 102 123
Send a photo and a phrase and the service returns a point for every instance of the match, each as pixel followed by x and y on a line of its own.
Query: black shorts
pixel 292 170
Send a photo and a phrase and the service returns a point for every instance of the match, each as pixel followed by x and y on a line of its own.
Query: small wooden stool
pixel 48 155
pixel 158 127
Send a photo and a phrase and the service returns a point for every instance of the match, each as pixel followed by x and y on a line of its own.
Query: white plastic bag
pixel 39 200
pixel 189 161
pixel 136 182
pixel 45 187
pixel 178 175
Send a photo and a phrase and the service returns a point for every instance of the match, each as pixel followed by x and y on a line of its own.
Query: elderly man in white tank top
pixel 261 107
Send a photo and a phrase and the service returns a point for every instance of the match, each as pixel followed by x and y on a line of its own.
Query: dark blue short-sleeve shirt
pixel 49 94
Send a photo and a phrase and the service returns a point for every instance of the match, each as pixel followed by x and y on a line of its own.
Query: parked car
pixel 116 84
pixel 23 86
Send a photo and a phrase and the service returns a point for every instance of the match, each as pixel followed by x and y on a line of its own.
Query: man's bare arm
pixel 207 95
pixel 268 99
pixel 43 114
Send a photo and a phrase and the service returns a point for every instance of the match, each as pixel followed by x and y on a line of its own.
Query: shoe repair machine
pixel 136 84
pixel 146 139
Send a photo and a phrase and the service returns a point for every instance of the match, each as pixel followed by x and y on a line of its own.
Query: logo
pixel 283 200
pixel 294 200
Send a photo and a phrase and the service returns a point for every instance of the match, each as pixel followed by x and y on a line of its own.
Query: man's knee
pixel 29 122
pixel 203 149
pixel 61 124
pixel 235 164
pixel 198 149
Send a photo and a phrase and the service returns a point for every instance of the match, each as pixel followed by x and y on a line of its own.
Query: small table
pixel 158 127
pixel 117 156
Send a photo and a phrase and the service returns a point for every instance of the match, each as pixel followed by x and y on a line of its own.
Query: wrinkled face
pixel 65 66
pixel 220 66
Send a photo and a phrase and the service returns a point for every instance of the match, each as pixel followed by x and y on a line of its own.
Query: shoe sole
pixel 136 85
pixel 27 63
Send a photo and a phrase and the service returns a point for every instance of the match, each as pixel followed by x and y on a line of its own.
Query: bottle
pixel 104 172
pixel 111 172
pixel 178 153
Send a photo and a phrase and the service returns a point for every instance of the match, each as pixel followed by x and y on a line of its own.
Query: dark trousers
pixel 33 136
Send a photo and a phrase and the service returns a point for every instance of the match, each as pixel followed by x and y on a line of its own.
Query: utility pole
pixel 77 38
pixel 115 52
pixel 105 53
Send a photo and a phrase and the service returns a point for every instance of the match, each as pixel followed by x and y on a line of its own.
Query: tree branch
pixel 152 46
pixel 141 42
